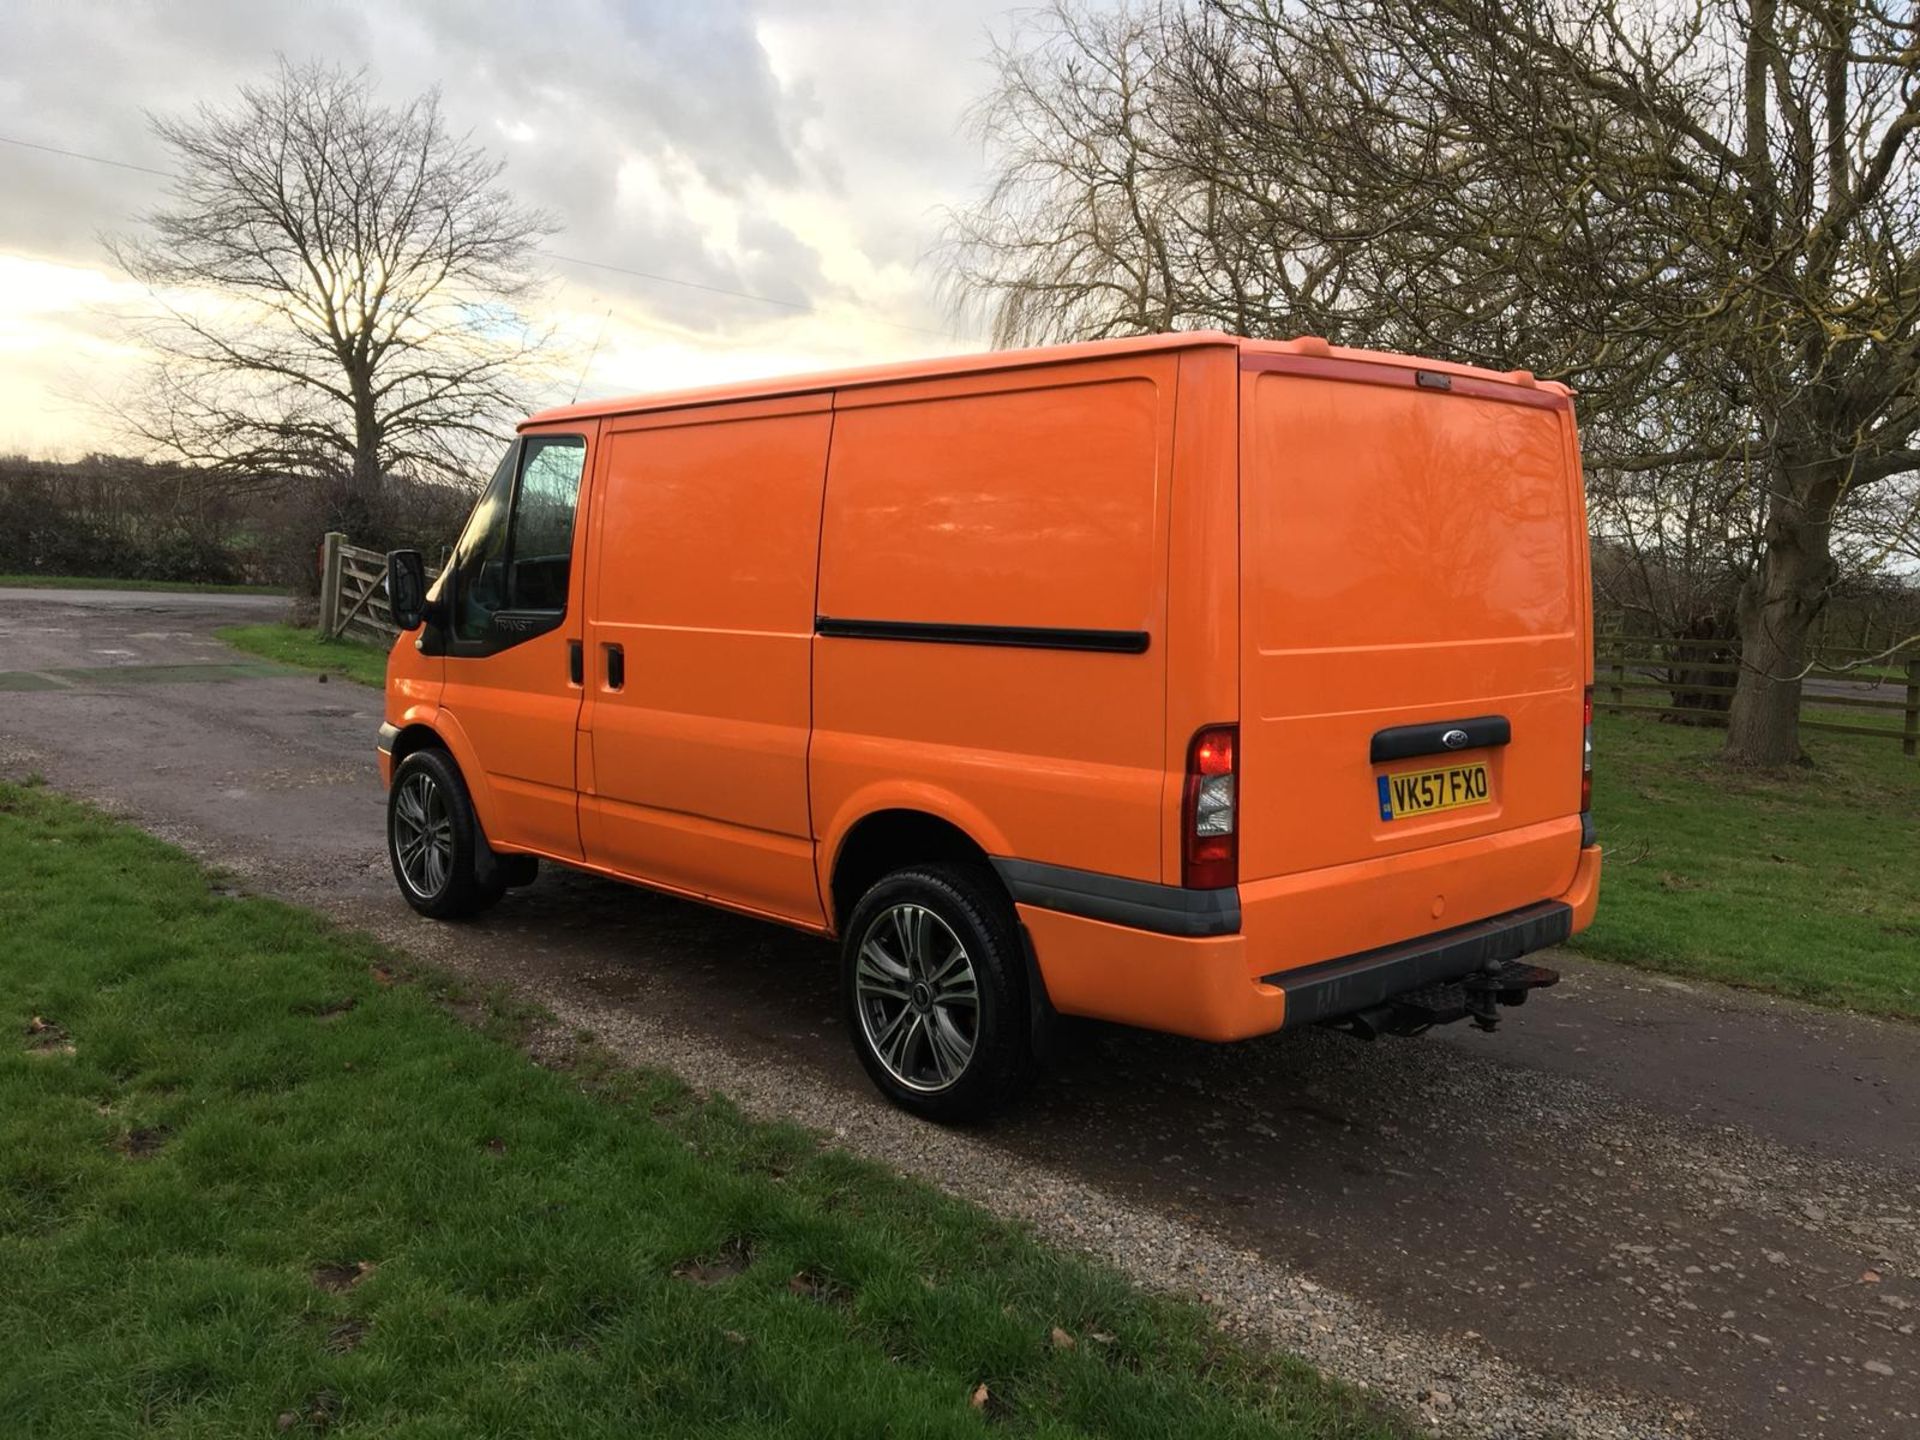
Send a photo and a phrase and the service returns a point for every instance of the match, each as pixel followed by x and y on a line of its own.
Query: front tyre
pixel 433 839
pixel 935 991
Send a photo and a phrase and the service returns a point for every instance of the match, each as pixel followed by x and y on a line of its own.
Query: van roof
pixel 989 360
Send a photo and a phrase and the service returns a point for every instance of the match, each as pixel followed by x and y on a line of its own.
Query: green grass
pixel 292 645
pixel 88 582
pixel 254 1176
pixel 1806 884
pixel 1892 721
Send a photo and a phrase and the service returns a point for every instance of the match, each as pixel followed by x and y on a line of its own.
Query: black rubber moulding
pixel 1140 904
pixel 1018 637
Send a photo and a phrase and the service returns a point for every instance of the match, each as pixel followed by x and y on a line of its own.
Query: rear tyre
pixel 433 839
pixel 935 991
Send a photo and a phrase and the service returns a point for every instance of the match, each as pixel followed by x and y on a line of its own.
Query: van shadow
pixel 1298 1123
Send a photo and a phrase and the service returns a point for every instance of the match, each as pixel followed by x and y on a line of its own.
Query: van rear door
pixel 1412 555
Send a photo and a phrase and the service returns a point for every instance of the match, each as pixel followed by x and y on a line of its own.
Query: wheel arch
pixel 889 838
pixel 884 841
pixel 417 736
pixel 439 730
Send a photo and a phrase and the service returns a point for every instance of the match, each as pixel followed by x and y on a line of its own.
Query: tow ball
pixel 1477 997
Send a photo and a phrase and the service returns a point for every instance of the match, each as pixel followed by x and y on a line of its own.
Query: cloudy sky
pixel 798 150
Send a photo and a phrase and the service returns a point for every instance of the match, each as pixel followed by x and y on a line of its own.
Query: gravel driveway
pixel 1642 1207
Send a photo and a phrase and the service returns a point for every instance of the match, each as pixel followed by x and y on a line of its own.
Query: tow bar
pixel 1478 997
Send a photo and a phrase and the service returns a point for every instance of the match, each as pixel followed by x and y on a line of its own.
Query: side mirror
pixel 406 588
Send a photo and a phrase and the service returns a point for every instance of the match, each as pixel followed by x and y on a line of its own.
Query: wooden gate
pixel 353 591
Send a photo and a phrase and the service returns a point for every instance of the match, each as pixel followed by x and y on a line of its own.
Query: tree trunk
pixel 361 500
pixel 1777 605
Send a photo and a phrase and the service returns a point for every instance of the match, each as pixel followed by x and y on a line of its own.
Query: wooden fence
pixel 353 591
pixel 1635 674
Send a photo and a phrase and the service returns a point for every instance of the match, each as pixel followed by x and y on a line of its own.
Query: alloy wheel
pixel 918 997
pixel 423 834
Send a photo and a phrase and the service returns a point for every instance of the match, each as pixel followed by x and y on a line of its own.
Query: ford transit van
pixel 1205 684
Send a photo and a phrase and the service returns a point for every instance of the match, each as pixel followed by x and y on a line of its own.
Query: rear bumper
pixel 1229 987
pixel 1352 983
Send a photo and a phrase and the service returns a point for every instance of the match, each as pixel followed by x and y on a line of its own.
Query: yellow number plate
pixel 1424 791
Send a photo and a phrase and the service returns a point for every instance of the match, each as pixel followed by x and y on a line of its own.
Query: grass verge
pixel 1807 884
pixel 254 1177
pixel 90 582
pixel 293 645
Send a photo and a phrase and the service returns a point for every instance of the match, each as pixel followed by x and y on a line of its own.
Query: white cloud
pixel 790 149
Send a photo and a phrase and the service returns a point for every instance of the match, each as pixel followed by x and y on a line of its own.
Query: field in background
pixel 1806 883
pixel 255 1178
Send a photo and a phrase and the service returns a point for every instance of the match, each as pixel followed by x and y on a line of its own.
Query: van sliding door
pixel 993 608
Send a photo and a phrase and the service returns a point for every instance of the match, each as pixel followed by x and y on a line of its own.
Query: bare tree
pixel 1882 529
pixel 1108 212
pixel 1706 217
pixel 337 284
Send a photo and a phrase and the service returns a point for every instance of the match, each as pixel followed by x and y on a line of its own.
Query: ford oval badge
pixel 1455 739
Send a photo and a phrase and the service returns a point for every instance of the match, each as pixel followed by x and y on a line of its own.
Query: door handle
pixel 1403 742
pixel 616 667
pixel 576 665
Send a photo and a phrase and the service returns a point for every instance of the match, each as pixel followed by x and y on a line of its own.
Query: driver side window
pixel 516 554
pixel 541 557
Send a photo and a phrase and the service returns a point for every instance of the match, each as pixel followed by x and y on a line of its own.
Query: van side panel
pixel 1010 503
pixel 1411 555
pixel 702 575
pixel 1203 574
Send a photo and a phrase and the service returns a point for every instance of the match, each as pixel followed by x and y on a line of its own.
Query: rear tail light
pixel 1209 818
pixel 1586 754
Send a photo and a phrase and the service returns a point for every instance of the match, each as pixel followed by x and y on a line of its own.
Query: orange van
pixel 1212 685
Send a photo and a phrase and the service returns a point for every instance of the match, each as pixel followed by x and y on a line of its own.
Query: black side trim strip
pixel 1404 741
pixel 1588 835
pixel 1141 904
pixel 388 734
pixel 1339 987
pixel 1022 637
